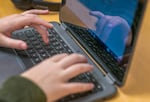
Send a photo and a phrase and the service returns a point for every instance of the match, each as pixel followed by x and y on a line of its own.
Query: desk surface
pixel 137 86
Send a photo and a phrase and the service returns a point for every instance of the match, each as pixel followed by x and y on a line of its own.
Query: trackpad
pixel 9 64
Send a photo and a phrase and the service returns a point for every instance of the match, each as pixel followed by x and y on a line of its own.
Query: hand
pixel 17 21
pixel 112 25
pixel 114 31
pixel 53 75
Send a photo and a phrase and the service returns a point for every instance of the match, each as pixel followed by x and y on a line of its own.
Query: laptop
pixel 105 31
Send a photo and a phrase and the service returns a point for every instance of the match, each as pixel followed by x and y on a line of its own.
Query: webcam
pixel 36 4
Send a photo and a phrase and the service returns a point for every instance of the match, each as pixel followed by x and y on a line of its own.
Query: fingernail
pixel 83 56
pixel 51 25
pixel 91 85
pixel 47 40
pixel 47 10
pixel 92 67
pixel 23 46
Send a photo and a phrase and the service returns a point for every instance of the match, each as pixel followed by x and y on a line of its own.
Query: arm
pixel 20 89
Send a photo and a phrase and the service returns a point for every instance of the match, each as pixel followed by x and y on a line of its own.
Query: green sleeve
pixel 19 89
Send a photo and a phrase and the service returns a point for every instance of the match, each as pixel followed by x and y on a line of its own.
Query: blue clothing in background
pixel 115 18
pixel 122 8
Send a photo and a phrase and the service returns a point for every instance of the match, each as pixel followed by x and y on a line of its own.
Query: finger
pixel 76 70
pixel 72 59
pixel 105 28
pixel 43 32
pixel 12 43
pixel 97 14
pixel 30 19
pixel 73 88
pixel 36 11
pixel 27 20
pixel 58 57
pixel 102 23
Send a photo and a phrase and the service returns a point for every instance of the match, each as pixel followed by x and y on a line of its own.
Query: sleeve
pixel 19 89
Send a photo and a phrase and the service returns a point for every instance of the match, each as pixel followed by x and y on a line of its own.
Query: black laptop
pixel 105 31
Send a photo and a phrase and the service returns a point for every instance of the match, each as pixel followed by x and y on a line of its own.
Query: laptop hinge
pixel 63 26
pixel 110 78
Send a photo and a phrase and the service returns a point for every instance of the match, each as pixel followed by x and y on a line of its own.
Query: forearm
pixel 19 89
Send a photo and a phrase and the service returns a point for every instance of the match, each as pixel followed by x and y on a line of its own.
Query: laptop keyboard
pixel 83 35
pixel 38 51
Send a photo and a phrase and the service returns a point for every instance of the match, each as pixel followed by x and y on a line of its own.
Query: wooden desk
pixel 137 87
pixel 7 8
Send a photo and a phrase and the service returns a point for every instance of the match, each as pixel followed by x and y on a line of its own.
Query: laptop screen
pixel 112 22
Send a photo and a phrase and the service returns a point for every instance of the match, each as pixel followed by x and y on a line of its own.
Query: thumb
pixel 12 43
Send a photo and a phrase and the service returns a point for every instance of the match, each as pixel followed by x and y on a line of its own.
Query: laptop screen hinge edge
pixel 110 78
pixel 63 26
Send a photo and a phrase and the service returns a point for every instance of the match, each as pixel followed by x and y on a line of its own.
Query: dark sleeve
pixel 19 89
